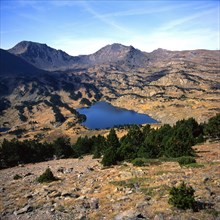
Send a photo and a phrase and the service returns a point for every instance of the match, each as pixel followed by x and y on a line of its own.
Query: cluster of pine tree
pixel 139 142
pixel 16 152
pixel 167 141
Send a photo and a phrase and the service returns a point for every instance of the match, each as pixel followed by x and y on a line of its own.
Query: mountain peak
pixel 113 53
pixel 41 55
pixel 23 46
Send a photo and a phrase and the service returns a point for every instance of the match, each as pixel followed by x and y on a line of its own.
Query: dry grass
pixel 118 189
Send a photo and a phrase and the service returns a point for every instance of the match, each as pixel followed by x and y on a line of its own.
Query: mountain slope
pixel 128 57
pixel 166 85
pixel 119 54
pixel 13 65
pixel 43 56
pixel 47 58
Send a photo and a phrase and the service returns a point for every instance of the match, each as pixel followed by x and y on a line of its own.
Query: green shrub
pixel 17 176
pixel 186 160
pixel 182 197
pixel 194 165
pixel 47 177
pixel 139 162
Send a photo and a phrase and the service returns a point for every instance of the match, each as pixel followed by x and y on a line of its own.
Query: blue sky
pixel 83 27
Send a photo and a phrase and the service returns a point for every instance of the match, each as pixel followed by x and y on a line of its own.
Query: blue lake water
pixel 4 129
pixel 104 115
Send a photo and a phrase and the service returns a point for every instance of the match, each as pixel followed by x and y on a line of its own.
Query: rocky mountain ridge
pixel 47 58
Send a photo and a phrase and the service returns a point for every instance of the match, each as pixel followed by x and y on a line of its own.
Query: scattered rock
pixel 123 198
pixel 86 205
pixel 94 203
pixel 129 215
pixel 217 198
pixel 142 205
pixel 64 170
pixel 159 217
pixel 90 169
pixel 28 196
pixel 206 179
pixel 68 194
pixel 25 209
pixel 60 170
pixel 147 198
pixel 55 194
pixel 28 174
pixel 81 216
pixel 21 165
pixel 211 193
pixel 2 189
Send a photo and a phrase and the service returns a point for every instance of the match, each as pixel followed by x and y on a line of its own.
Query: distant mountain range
pixel 47 58
pixel 167 85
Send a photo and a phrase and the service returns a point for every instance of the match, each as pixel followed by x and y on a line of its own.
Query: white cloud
pixel 184 20
pixel 185 40
pixel 75 47
pixel 144 11
pixel 105 20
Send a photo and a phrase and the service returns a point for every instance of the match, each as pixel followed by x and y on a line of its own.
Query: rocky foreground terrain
pixel 85 190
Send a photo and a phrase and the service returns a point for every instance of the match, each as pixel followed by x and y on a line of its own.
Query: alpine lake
pixel 102 115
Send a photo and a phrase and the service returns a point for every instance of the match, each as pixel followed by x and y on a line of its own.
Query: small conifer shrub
pixel 182 197
pixel 185 160
pixel 47 177
pixel 17 176
pixel 139 162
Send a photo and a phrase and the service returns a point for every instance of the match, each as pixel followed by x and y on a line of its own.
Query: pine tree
pixel 182 196
pixel 212 129
pixel 131 143
pixel 110 156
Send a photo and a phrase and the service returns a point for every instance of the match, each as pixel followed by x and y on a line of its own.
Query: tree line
pixel 139 142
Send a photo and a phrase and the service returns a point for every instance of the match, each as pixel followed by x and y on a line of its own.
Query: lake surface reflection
pixel 104 115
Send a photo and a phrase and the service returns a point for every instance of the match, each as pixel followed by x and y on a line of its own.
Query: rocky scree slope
pixel 87 191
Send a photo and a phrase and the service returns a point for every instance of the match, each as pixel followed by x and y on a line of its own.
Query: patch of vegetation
pixel 85 101
pixel 142 145
pixel 29 104
pixel 145 162
pixel 111 156
pixel 149 191
pixel 194 165
pixel 55 103
pixel 182 197
pixel 20 108
pixel 213 212
pixel 17 132
pixel 47 177
pixel 129 183
pixel 17 176
pixel 90 87
pixel 185 160
pixel 161 172
pixel 165 142
pixel 212 128
pixel 139 162
pixel 15 152
pixel 75 96
pixel 4 104
pixel 68 87
pixel 123 183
